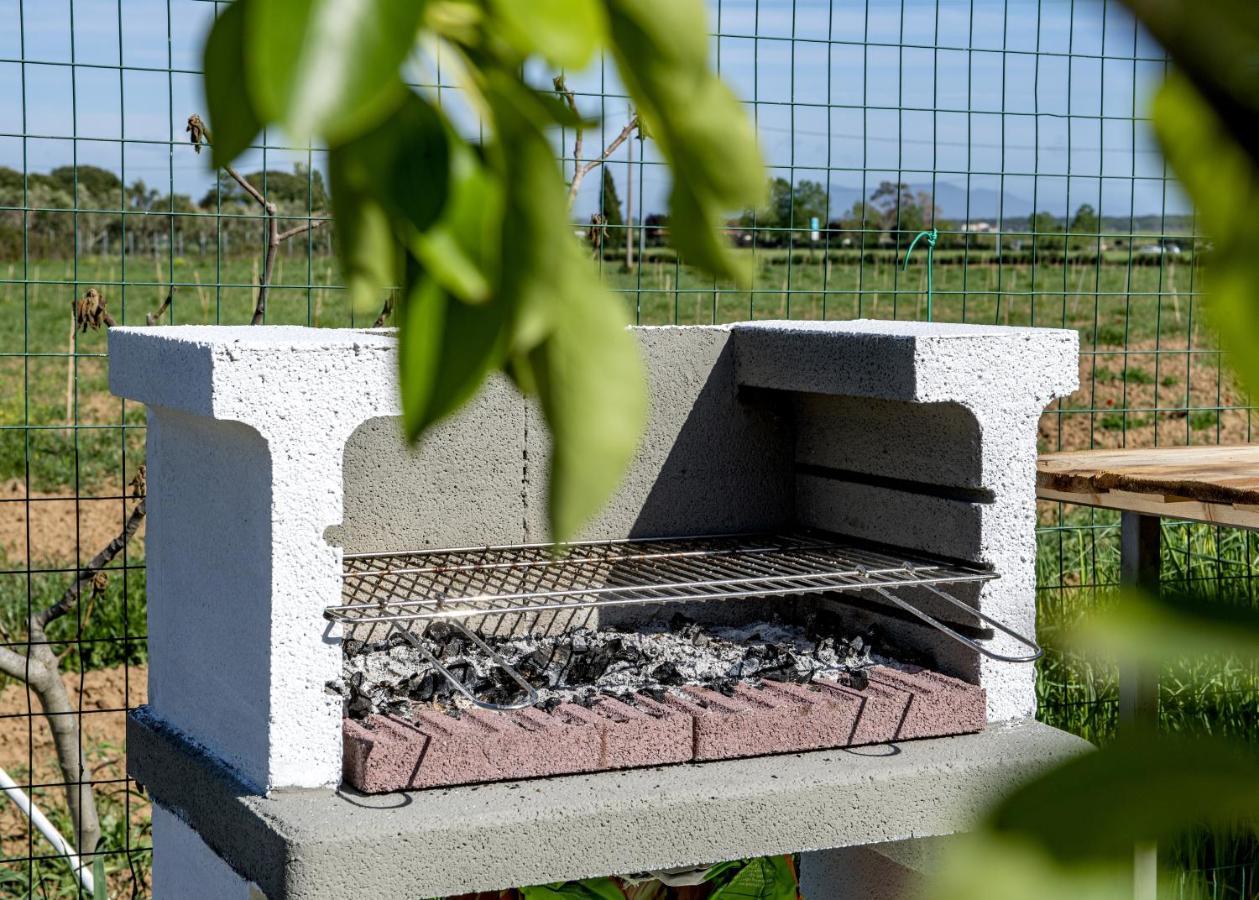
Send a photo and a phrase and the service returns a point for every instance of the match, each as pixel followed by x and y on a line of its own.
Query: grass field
pixel 1150 372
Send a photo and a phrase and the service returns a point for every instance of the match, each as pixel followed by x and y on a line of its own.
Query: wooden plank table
pixel 1219 485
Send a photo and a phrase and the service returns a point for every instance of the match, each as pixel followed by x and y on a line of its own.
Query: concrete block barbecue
pixel 276 470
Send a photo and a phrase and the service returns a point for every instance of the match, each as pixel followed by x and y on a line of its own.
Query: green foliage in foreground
pixel 478 234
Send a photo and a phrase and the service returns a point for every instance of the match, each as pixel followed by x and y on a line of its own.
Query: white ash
pixel 579 666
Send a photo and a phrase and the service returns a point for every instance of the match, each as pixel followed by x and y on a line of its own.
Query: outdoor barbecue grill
pixel 867 486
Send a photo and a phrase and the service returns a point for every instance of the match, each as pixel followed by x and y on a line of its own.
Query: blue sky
pixel 996 104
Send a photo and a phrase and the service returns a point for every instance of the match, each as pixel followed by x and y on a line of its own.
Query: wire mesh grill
pixel 444 584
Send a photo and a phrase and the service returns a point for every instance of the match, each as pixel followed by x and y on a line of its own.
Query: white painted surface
pixel 246 430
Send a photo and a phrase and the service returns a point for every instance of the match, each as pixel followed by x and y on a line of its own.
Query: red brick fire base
pixel 433 749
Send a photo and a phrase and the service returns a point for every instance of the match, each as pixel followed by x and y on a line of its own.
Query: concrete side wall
pixel 184 868
pixel 924 435
pixel 209 587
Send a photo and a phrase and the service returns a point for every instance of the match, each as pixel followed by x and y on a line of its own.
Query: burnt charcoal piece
pixel 655 693
pixel 667 673
pixel 550 704
pixel 588 667
pixel 625 653
pixel 359 707
pixel 352 647
pixel 725 686
pixel 857 679
pixel 454 712
pixel 397 639
pixel 587 699
pixel 679 622
pixel 429 687
pixel 787 669
pixel 452 648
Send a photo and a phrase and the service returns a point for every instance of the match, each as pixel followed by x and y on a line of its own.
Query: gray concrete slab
pixel 323 844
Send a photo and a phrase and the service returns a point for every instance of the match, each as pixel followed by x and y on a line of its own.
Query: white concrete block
pixel 992 382
pixel 246 431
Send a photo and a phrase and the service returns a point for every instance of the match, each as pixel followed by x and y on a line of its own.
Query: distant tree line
pixel 113 216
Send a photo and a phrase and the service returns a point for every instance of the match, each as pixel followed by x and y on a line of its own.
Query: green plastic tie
pixel 931 237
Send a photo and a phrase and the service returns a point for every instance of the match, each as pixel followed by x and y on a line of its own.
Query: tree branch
pixel 199 135
pixel 153 317
pixel 39 669
pixel 561 88
pixel 98 562
pixel 581 172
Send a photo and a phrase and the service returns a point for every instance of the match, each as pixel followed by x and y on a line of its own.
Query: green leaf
pixel 986 866
pixel 233 121
pixel 565 32
pixel 1140 788
pixel 462 250
pixel 366 246
pixel 100 885
pixel 763 878
pixel 1170 627
pixel 701 130
pixel 1223 181
pixel 590 384
pixel 329 68
pixel 590 889
pixel 421 320
pixel 405 162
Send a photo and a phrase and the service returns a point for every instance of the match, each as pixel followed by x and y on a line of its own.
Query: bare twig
pixel 580 172
pixel 154 317
pixel 561 88
pixel 198 134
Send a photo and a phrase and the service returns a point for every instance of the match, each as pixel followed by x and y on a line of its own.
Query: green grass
pixel 125 846
pixel 1077 570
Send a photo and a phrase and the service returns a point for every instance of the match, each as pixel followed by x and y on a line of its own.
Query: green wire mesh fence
pixel 1014 131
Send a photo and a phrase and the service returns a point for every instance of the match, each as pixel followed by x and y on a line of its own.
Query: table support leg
pixel 1139 555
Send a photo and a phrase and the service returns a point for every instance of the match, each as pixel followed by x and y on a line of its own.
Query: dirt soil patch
pixel 105 695
pixel 1170 398
pixel 51 520
pixel 24 736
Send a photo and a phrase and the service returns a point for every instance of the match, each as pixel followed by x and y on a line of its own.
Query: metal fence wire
pixel 1015 128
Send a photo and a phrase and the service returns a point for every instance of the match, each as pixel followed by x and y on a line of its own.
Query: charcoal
pixel 352 647
pixel 583 665
pixel 857 678
pixel 667 673
pixel 588 667
pixel 438 632
pixel 428 687
pixel 359 707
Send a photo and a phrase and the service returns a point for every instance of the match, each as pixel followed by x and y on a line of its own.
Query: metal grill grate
pixel 454 584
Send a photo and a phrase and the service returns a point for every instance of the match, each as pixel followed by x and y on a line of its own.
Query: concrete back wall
pixel 714 459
